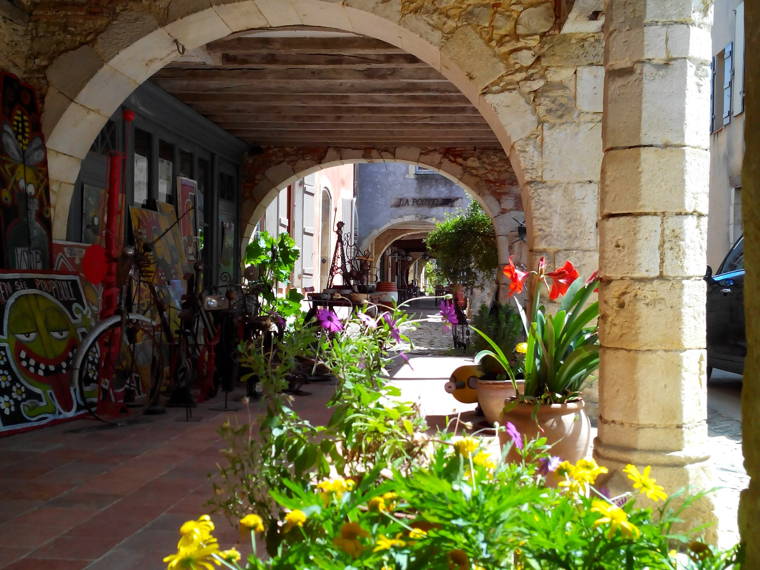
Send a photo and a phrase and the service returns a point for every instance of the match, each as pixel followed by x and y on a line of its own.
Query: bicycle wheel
pixel 119 365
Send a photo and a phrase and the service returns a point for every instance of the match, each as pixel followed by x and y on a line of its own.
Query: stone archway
pixel 485 174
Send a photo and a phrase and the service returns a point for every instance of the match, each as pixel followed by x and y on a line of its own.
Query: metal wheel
pixel 120 366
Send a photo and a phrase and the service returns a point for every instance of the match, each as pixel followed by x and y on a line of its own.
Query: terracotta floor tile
pixel 48 564
pixel 77 547
pixel 56 516
pixel 13 535
pixel 12 508
pixel 9 554
pixel 83 498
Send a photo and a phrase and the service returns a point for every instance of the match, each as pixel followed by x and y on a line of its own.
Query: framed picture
pixel 187 197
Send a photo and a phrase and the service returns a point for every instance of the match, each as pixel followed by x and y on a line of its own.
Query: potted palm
pixel 560 354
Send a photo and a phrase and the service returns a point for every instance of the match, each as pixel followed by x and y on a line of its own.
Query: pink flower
pixel 329 320
pixel 392 326
pixel 514 434
pixel 448 312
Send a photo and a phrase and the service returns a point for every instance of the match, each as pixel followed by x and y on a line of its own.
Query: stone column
pixel 749 505
pixel 654 189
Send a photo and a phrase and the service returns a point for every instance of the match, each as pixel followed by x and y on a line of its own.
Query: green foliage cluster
pixel 368 425
pixel 275 258
pixel 464 248
pixel 463 508
pixel 501 323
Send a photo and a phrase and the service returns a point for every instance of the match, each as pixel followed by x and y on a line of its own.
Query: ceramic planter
pixel 565 426
pixel 492 394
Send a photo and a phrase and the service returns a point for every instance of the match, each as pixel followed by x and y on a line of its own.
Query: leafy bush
pixel 464 248
pixel 501 323
pixel 464 508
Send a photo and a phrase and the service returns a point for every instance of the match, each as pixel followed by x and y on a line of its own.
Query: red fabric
pixel 94 264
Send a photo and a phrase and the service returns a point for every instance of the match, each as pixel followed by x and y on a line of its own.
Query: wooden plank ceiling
pixel 306 87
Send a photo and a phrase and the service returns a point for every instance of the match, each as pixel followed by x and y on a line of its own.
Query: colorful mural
pixel 43 317
pixel 25 224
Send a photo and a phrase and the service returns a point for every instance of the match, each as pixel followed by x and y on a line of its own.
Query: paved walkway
pixel 81 495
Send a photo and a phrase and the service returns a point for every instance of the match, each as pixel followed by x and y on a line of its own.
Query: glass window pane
pixel 142 168
pixel 165 172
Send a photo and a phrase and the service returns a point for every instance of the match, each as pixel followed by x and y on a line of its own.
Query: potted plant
pixel 560 354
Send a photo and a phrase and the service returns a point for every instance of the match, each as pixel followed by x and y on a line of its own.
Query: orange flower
pixel 561 279
pixel 515 276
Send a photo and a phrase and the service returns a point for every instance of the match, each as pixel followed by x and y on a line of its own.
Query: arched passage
pixel 485 174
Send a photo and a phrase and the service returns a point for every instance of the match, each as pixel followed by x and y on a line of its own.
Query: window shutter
pixel 713 87
pixel 728 74
pixel 738 90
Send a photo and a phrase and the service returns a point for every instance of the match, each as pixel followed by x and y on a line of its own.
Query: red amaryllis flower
pixel 561 279
pixel 515 276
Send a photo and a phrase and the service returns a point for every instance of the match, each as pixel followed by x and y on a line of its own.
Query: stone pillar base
pixel 677 470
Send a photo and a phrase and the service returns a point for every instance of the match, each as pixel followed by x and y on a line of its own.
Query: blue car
pixel 726 339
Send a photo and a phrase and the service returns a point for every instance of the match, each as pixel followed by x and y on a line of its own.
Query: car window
pixel 735 258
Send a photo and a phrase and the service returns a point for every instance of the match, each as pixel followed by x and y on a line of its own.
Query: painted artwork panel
pixel 93 213
pixel 187 190
pixel 43 317
pixel 25 224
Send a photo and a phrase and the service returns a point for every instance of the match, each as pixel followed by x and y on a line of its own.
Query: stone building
pixel 597 113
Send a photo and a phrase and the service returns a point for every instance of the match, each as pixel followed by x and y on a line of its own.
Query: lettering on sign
pixel 424 202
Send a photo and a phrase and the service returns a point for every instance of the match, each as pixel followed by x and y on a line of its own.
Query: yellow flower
pixel 377 504
pixel 484 460
pixel 466 445
pixel 197 557
pixel 417 533
pixel 522 347
pixel 615 517
pixel 230 555
pixel 644 483
pixel 587 470
pixel 252 522
pixel 335 487
pixel 385 543
pixel 196 532
pixel 294 518
pixel 459 559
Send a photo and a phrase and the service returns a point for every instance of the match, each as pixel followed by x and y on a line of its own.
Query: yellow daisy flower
pixel 294 518
pixel 252 522
pixel 521 347
pixel 483 459
pixel 615 517
pixel 196 532
pixel 197 557
pixel 385 543
pixel 417 533
pixel 230 555
pixel 377 504
pixel 644 483
pixel 466 445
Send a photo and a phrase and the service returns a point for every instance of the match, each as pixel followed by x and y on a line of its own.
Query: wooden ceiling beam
pixel 346 119
pixel 342 61
pixel 181 87
pixel 247 76
pixel 272 109
pixel 307 45
pixel 298 100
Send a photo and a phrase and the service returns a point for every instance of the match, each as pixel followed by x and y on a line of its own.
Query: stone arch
pixel 137 44
pixel 396 229
pixel 485 174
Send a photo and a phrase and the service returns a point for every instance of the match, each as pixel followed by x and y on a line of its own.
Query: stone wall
pixel 14 38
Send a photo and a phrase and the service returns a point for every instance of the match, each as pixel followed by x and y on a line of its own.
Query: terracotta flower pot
pixel 565 426
pixel 492 394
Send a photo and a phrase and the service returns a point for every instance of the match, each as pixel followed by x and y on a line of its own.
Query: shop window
pixel 186 164
pixel 142 162
pixel 226 187
pixel 165 172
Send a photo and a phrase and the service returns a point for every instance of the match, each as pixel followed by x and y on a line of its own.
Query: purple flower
pixel 548 465
pixel 329 320
pixel 448 312
pixel 404 356
pixel 278 320
pixel 367 320
pixel 392 326
pixel 514 434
